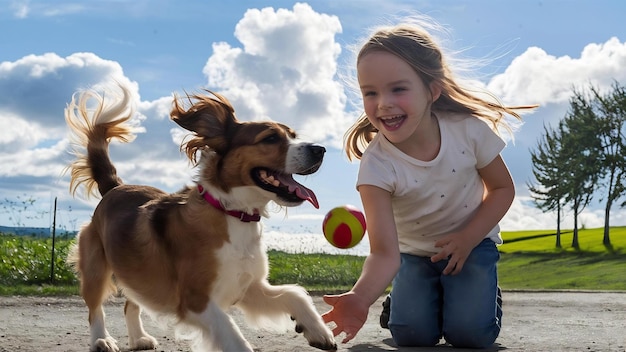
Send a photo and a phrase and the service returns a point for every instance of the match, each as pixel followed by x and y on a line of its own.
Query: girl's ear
pixel 435 90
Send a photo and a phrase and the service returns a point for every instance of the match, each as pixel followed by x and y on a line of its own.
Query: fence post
pixel 54 226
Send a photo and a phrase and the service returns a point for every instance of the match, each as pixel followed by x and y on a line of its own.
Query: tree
pixel 547 170
pixel 581 156
pixel 611 111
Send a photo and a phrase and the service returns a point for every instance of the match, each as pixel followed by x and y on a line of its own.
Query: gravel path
pixel 533 321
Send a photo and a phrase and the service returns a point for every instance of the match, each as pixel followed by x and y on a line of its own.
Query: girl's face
pixel 395 99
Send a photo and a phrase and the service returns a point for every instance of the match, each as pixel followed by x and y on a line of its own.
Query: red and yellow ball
pixel 344 226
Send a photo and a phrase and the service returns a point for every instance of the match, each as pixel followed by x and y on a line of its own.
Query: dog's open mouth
pixel 284 186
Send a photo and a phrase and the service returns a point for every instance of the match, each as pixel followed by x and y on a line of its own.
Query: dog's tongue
pixel 301 191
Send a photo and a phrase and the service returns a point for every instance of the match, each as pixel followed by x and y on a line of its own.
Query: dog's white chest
pixel 241 261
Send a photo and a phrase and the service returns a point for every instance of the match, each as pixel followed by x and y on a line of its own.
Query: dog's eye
pixel 271 139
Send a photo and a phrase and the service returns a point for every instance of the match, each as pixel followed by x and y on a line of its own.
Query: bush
pixel 26 260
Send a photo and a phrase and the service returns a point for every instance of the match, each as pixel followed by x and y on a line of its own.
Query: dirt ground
pixel 533 321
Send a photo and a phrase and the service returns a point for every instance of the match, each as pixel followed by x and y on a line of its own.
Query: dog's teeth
pixel 269 179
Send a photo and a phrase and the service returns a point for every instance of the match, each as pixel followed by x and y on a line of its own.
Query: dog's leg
pixel 220 329
pixel 95 287
pixel 101 341
pixel 138 338
pixel 262 299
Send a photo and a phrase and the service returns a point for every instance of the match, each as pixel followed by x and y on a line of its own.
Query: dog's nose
pixel 318 150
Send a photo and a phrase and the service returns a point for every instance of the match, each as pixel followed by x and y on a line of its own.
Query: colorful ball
pixel 344 226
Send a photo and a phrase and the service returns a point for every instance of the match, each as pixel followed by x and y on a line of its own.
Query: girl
pixel 434 187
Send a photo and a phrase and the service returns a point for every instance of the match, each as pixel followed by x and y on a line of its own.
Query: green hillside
pixel 530 260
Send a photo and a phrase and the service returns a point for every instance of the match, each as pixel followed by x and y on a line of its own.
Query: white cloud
pixel 285 68
pixel 23 9
pixel 34 146
pixel 536 77
pixel 286 71
pixel 62 9
pixel 18 134
pixel 37 87
pixel 20 8
pixel 38 162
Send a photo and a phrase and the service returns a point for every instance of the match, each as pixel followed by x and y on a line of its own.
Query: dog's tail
pixel 94 119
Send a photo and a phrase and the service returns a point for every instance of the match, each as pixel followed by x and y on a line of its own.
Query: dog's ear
pixel 209 118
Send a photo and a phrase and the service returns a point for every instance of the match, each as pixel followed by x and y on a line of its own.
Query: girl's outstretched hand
pixel 348 312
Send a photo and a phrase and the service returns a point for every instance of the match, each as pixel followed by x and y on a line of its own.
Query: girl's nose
pixel 384 104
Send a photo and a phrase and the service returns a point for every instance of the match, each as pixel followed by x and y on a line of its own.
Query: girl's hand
pixel 456 248
pixel 348 312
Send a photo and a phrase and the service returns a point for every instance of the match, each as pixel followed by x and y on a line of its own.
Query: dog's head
pixel 251 162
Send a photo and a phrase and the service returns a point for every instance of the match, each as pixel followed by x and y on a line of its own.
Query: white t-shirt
pixel 433 198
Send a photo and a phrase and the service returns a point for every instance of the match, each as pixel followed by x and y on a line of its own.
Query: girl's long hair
pixel 416 46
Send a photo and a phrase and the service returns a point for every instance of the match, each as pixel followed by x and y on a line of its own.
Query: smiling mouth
pixel 284 186
pixel 392 121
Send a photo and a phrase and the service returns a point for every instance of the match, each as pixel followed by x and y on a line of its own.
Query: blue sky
pixel 274 59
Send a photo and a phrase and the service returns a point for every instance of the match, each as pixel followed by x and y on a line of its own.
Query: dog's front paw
pixel 107 344
pixel 318 336
pixel 146 342
pixel 326 346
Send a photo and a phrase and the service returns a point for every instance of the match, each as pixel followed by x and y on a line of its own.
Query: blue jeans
pixel 464 309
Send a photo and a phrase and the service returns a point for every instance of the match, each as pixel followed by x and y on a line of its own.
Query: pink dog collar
pixel 242 216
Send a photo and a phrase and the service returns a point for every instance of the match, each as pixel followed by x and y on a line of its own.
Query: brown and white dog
pixel 195 253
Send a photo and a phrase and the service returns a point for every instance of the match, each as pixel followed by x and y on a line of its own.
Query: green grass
pixel 318 272
pixel 590 240
pixel 529 260
pixel 573 271
pixel 38 290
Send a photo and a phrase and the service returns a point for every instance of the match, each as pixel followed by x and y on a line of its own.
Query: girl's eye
pixel 399 89
pixel 369 94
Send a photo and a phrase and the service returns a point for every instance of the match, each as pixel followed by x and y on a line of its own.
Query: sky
pixel 281 60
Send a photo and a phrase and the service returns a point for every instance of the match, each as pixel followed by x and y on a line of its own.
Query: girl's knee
pixel 405 336
pixel 470 337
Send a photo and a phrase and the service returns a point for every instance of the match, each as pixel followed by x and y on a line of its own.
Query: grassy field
pixel 529 260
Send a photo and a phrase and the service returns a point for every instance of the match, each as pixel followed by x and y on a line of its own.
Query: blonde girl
pixel 433 187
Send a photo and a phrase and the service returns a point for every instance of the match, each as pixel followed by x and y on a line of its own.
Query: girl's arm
pixel 499 194
pixel 349 310
pixel 383 262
